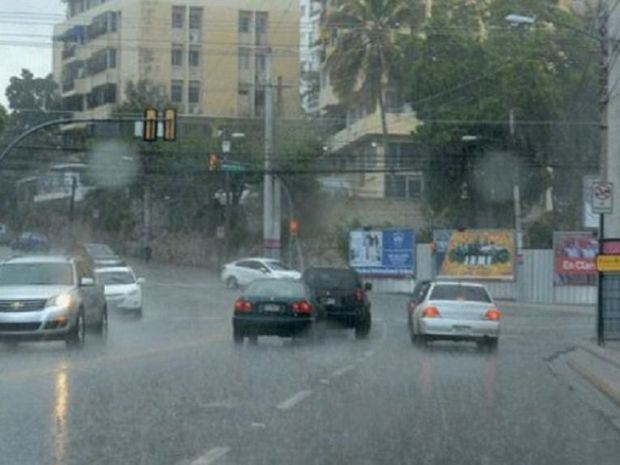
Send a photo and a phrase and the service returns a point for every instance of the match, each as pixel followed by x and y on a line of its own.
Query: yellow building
pixel 211 56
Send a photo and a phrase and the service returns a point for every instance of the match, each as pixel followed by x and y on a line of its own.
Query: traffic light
pixel 214 162
pixel 149 131
pixel 293 227
pixel 170 124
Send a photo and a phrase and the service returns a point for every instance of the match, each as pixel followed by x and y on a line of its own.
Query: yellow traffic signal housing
pixel 149 131
pixel 170 124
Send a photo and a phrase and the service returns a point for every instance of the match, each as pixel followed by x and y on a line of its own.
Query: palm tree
pixel 367 52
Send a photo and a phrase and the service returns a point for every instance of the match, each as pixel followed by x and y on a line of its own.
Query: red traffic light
pixel 214 162
pixel 293 227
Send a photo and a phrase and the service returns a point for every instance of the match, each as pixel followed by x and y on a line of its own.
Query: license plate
pixel 462 329
pixel 329 301
pixel 271 308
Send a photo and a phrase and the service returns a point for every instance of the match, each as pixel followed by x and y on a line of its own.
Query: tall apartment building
pixel 211 56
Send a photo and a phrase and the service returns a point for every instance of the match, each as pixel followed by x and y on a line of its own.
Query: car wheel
pixel 102 328
pixel 237 336
pixel 76 338
pixel 362 329
pixel 138 313
pixel 232 282
pixel 492 344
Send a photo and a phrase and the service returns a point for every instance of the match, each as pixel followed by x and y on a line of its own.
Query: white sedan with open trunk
pixel 454 311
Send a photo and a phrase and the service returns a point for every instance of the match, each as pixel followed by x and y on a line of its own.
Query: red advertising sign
pixel 575 258
pixel 611 246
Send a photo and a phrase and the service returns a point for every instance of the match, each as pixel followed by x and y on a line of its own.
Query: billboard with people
pixel 384 252
pixel 476 254
pixel 575 256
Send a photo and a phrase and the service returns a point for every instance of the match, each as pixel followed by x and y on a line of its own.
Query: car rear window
pixel 332 279
pixel 36 274
pixel 99 250
pixel 458 292
pixel 275 288
pixel 116 277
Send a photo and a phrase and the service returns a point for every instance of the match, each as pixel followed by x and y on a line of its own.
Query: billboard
pixel 382 252
pixel 574 258
pixel 479 254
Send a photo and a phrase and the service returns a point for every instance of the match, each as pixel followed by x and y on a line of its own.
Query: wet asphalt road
pixel 172 389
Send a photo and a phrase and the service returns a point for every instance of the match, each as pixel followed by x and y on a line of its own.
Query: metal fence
pixel 538 286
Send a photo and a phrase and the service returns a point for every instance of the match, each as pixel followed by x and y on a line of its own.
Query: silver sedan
pixel 453 311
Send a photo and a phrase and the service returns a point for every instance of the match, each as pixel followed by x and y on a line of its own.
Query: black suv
pixel 343 296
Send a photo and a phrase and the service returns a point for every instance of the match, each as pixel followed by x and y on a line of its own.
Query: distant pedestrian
pixel 148 253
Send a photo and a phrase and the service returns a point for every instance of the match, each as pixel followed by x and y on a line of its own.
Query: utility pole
pixel 227 212
pixel 516 193
pixel 271 233
pixel 72 206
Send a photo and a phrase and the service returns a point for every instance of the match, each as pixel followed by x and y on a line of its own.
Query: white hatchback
pixel 243 272
pixel 122 290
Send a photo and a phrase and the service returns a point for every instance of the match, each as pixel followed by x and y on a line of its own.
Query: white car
pixel 453 311
pixel 243 272
pixel 122 290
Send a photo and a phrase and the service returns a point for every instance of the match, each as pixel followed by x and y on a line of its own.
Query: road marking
pixel 343 370
pixel 211 456
pixel 292 401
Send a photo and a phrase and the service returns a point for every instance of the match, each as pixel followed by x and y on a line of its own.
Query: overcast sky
pixel 25 38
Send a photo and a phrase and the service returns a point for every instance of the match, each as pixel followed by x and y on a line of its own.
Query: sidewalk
pixel 599 366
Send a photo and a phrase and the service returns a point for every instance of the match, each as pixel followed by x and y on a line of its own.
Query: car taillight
pixel 359 295
pixel 493 314
pixel 242 305
pixel 430 312
pixel 303 306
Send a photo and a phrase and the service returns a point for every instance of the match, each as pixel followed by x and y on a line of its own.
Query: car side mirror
pixel 87 282
pixel 368 286
pixel 140 280
pixel 265 270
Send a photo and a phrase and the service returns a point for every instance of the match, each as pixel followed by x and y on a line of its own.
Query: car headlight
pixel 64 301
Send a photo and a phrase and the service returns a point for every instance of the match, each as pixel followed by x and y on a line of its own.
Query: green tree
pixel 3 118
pixel 469 72
pixel 367 53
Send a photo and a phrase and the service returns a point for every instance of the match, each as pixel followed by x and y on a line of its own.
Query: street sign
pixel 608 263
pixel 602 198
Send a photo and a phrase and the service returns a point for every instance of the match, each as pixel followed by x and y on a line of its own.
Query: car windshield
pixel 334 279
pixel 116 277
pixel 377 158
pixel 458 292
pixel 99 250
pixel 278 266
pixel 277 289
pixel 20 274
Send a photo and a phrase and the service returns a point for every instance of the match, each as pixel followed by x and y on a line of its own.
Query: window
pixel 459 292
pixel 20 274
pixel 178 17
pixel 244 58
pixel 176 91
pixel 261 22
pixel 101 95
pixel 245 21
pixel 112 58
pixel 261 63
pixel 195 18
pixel 194 57
pixel 177 57
pixel 193 96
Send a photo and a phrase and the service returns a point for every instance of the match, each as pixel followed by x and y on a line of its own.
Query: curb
pixel 601 356
pixel 600 384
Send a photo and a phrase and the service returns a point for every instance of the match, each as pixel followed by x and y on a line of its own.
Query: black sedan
pixel 277 307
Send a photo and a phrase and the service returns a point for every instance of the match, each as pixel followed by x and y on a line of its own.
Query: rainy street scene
pixel 250 232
